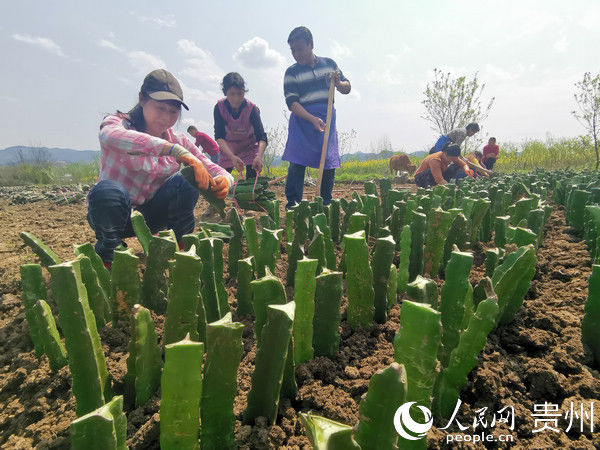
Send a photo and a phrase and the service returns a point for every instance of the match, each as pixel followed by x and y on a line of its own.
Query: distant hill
pixel 21 153
pixel 419 154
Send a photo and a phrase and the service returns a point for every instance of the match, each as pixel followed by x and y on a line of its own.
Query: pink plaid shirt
pixel 132 158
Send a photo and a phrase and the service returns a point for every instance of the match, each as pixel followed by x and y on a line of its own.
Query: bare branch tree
pixel 588 103
pixel 454 102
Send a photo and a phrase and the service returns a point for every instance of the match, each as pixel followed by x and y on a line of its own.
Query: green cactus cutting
pixel 218 267
pixel 289 229
pixel 223 355
pixel 438 226
pixel 359 281
pixel 334 220
pixel 267 253
pixel 392 287
pixel 321 221
pixel 185 310
pixel 91 384
pixel 423 290
pixel 501 231
pixel 383 255
pixel 101 272
pixel 304 296
pixel 125 282
pixel 235 252
pixel 511 281
pixel 397 221
pixel 251 236
pixel 403 265
pixel 102 428
pixel 266 291
pixel 524 236
pixel 326 434
pixel 154 282
pixel 590 324
pixel 34 289
pixel 492 259
pixel 97 298
pixel 142 232
pixel 326 319
pixel 45 253
pixel 244 289
pixel 455 291
pixel 417 241
pixel 301 215
pixel 416 347
pixel 181 390
pixel 263 398
pixel 145 361
pixel 209 291
pixel 45 327
pixel 463 358
pixel 387 391
pixel 316 248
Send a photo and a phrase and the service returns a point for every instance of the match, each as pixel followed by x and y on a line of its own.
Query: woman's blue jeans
pixel 109 212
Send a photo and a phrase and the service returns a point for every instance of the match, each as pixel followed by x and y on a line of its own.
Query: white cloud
pixel 339 51
pixel 168 21
pixel 145 62
pixel 384 77
pixel 200 124
pixel 257 53
pixel 42 42
pixel 201 95
pixel 105 43
pixel 561 45
pixel 201 65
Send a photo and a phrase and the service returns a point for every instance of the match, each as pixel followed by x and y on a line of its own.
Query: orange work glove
pixel 203 178
pixel 220 187
pixel 469 172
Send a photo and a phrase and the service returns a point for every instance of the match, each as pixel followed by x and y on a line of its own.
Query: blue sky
pixel 67 63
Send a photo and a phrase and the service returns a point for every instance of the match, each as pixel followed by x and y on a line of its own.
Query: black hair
pixel 190 128
pixel 301 33
pixel 233 79
pixel 478 154
pixel 491 139
pixel 473 126
pixel 452 150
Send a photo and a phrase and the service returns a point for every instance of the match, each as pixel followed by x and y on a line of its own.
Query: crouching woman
pixel 139 169
pixel 441 167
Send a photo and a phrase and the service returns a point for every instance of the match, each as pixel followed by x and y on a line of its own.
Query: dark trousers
pixel 250 172
pixel 489 163
pixel 109 212
pixel 294 185
pixel 425 179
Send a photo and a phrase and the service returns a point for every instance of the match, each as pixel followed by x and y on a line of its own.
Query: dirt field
pixel 537 358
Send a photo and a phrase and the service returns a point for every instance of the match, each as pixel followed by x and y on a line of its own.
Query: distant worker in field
pixel 441 167
pixel 456 136
pixel 206 143
pixel 490 153
pixel 401 163
pixel 306 89
pixel 139 169
pixel 239 129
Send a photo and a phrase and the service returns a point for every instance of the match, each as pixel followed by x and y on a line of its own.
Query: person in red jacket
pixel 490 154
pixel 204 141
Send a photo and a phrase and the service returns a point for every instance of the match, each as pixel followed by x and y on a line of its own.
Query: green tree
pixel 587 97
pixel 454 102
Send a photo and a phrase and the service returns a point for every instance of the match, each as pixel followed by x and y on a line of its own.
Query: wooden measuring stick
pixel 326 137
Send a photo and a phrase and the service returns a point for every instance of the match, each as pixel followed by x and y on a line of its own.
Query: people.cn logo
pixel 409 428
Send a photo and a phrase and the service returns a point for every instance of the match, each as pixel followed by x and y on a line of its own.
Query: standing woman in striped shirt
pixel 139 169
pixel 306 89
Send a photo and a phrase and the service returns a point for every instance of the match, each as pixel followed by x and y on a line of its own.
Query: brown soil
pixel 538 358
